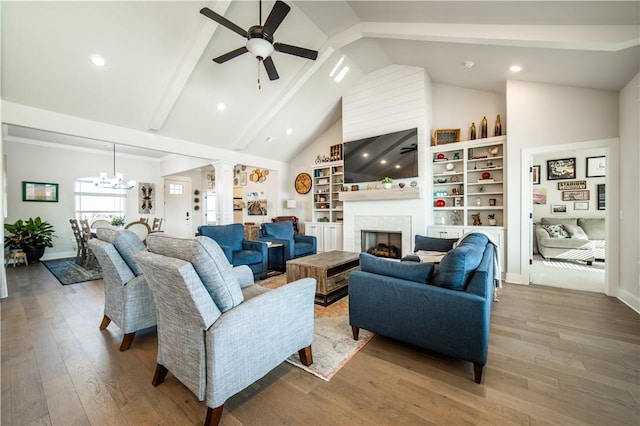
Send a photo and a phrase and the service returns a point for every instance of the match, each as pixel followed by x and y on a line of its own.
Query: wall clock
pixel 303 183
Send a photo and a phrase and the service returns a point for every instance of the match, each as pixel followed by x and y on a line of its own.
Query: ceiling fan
pixel 260 38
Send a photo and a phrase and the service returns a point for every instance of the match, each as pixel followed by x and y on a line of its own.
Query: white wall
pixel 629 291
pixel 554 196
pixel 458 107
pixel 44 163
pixel 542 116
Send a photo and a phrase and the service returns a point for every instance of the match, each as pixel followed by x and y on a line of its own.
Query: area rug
pixel 333 345
pixel 68 272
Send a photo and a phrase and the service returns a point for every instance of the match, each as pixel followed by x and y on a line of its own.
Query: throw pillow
pixel 208 260
pixel 433 244
pixel 411 271
pixel 556 231
pixel 576 232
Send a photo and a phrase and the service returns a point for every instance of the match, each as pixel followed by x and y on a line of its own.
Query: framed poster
pixel 579 195
pixel 146 198
pixel 581 205
pixel 601 196
pixel 564 168
pixel 40 191
pixel 535 175
pixel 596 166
pixel 559 208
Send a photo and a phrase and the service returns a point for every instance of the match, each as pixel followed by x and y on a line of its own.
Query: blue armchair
pixel 239 251
pixel 294 245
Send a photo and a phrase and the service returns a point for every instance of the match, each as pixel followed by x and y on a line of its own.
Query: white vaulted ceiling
pixel 160 77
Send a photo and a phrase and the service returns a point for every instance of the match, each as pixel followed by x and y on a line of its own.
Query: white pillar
pixel 224 191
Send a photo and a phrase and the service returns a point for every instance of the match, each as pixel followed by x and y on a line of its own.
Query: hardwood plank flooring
pixel 556 357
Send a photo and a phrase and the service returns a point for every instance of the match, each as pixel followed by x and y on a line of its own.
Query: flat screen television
pixel 373 158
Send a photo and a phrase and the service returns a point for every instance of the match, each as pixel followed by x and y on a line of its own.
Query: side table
pixel 275 263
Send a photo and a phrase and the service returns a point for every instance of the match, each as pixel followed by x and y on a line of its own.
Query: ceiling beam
pixel 187 64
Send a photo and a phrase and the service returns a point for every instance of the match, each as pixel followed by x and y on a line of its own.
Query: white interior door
pixel 177 208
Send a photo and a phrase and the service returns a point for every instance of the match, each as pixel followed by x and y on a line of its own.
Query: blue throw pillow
pixel 433 244
pixel 417 272
pixel 457 266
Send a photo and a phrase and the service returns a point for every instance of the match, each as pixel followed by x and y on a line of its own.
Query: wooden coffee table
pixel 331 271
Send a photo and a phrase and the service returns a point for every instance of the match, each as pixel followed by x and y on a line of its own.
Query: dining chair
pixel 81 252
pixel 140 228
pixel 157 224
pixel 86 234
pixel 100 223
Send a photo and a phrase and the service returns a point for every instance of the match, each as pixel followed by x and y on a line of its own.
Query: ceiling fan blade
pixel 295 50
pixel 277 15
pixel 223 21
pixel 271 68
pixel 230 55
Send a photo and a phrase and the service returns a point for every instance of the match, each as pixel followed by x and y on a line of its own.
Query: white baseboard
pixel 629 299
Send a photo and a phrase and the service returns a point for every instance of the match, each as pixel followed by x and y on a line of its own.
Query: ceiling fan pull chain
pixel 259 87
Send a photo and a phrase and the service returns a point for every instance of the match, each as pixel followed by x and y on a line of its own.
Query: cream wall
pixel 544 118
pixel 43 163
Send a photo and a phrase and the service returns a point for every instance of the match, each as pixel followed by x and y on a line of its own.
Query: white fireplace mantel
pixel 381 194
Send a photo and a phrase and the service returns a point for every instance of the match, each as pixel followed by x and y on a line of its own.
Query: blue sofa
pixel 445 308
pixel 295 245
pixel 239 251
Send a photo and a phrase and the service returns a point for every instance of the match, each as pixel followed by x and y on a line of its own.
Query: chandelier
pixel 116 181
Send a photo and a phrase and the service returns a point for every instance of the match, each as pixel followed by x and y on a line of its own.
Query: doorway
pixel 554 199
pixel 177 207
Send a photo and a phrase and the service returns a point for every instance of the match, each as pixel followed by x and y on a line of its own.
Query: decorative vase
pixel 492 222
pixel 498 129
pixel 486 175
pixel 473 131
pixel 484 127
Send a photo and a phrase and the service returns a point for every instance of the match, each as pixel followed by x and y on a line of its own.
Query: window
pixel 175 189
pixel 94 202
pixel 210 211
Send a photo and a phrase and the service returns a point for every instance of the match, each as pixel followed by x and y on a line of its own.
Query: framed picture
pixel 558 208
pixel 601 196
pixel 535 175
pixel 445 136
pixel 575 184
pixel 581 195
pixel 540 196
pixel 40 191
pixel 581 205
pixel 564 168
pixel 596 166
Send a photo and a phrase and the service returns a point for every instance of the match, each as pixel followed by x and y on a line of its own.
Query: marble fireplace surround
pixel 384 223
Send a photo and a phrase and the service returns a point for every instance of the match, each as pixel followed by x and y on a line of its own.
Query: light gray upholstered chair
pixel 218 332
pixel 128 301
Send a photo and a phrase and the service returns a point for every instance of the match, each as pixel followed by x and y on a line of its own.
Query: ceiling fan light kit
pixel 260 39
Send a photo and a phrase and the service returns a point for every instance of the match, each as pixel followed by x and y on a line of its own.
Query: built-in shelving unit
pixel 468 179
pixel 328 180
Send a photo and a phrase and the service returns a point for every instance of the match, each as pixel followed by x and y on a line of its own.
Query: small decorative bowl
pixel 442 180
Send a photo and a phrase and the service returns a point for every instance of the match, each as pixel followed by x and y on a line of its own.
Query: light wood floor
pixel 556 357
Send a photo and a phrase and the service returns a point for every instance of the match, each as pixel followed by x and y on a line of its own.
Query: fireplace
pixel 381 243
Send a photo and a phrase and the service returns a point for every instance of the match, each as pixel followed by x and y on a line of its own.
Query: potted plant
pixel 117 221
pixel 492 219
pixel 32 236
pixel 386 182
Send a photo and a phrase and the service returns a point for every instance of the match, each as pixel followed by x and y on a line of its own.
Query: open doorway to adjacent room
pixel 568 224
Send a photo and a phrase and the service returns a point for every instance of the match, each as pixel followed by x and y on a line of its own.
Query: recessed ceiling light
pixel 515 68
pixel 98 61
pixel 221 106
pixel 268 139
pixel 469 64
pixel 289 131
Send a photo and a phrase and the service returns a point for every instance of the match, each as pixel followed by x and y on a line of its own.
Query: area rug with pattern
pixel 67 271
pixel 333 345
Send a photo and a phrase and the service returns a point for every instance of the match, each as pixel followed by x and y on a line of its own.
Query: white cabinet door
pixel 444 232
pixel 332 237
pixel 317 230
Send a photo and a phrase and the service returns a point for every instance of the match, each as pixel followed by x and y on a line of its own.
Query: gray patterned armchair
pixel 212 330
pixel 128 302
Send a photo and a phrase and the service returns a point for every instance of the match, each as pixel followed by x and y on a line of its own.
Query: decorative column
pixel 224 191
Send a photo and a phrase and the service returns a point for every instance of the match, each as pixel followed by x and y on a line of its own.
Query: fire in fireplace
pixel 382 243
